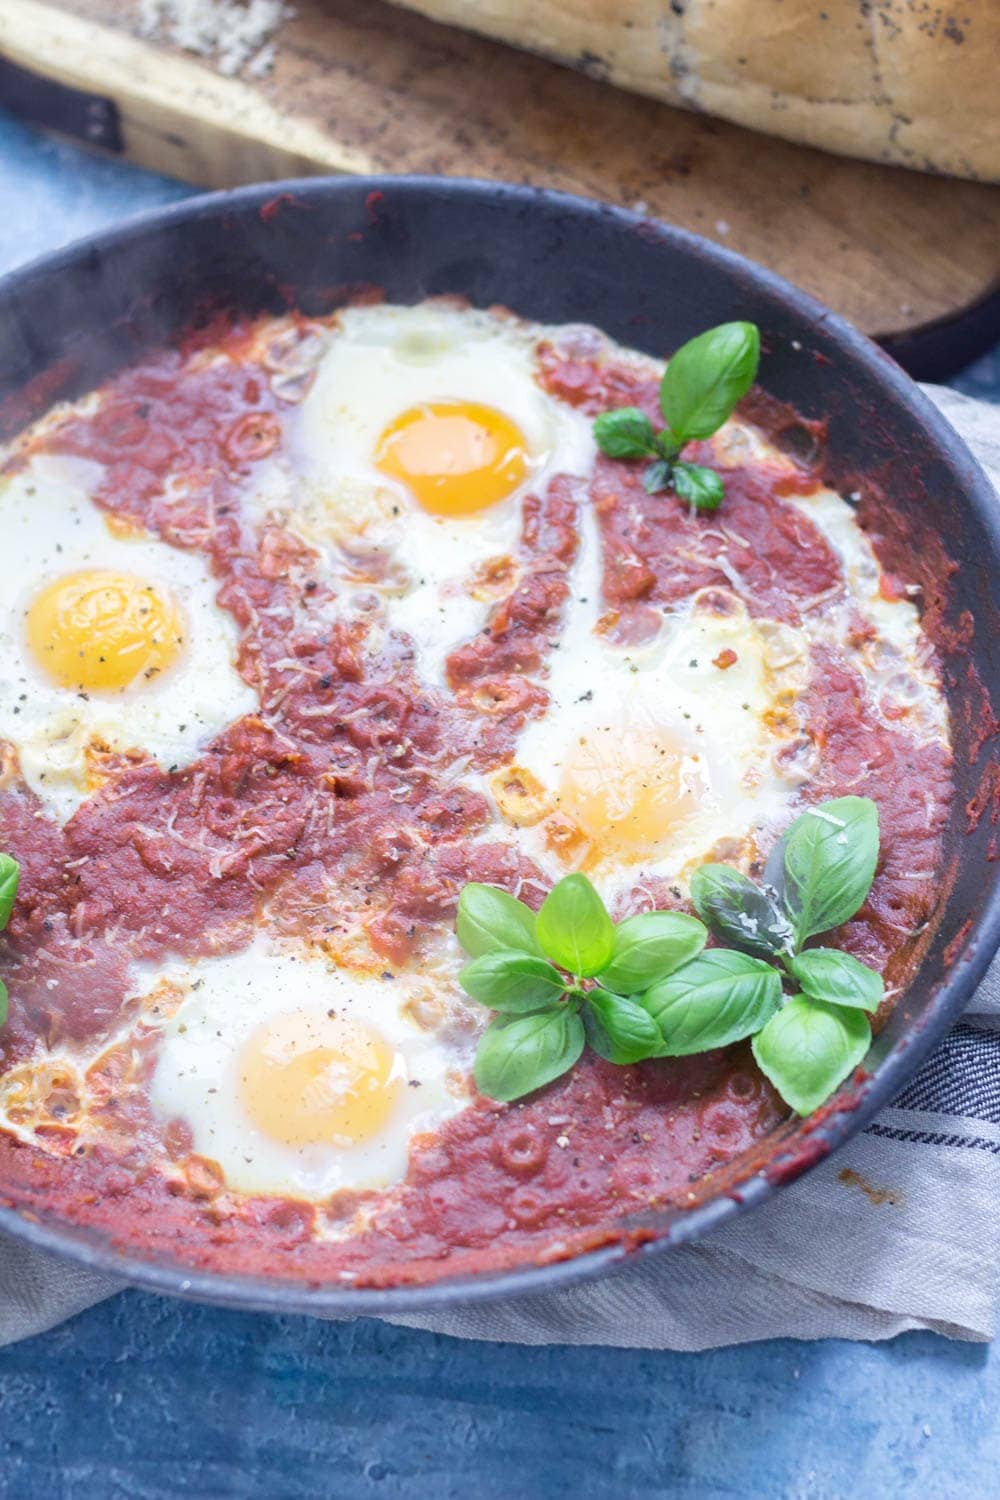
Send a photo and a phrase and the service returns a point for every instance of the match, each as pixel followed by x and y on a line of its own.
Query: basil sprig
pixel 10 872
pixel 702 384
pixel 548 1007
pixel 648 987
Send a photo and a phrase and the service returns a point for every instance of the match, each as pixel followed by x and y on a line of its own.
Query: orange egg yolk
pixel 455 457
pixel 627 791
pixel 309 1080
pixel 99 630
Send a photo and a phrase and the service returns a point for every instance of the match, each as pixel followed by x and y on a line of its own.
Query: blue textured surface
pixel 142 1397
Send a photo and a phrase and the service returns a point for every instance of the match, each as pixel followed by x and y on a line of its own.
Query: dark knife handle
pixel 55 106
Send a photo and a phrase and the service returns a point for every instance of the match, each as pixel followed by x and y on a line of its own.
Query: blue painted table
pixel 142 1397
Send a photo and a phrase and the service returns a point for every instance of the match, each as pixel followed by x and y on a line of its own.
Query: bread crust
pixel 912 82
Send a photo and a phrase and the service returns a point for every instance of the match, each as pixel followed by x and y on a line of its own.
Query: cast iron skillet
pixel 72 319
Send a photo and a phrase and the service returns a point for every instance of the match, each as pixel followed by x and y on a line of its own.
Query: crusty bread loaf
pixel 915 82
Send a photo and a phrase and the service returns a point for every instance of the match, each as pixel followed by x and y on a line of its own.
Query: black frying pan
pixel 72 319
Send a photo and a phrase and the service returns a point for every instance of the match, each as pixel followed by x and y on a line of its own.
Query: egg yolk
pixel 627 791
pixel 317 1081
pixel 455 457
pixel 99 630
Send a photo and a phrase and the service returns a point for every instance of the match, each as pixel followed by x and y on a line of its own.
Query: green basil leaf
pixel 706 377
pixel 518 1054
pixel 625 433
pixel 489 919
pixel 739 912
pixel 830 856
pixel 3 1003
pixel 511 982
pixel 700 487
pixel 619 1029
pixel 10 873
pixel 650 946
pixel 658 477
pixel 809 1048
pixel 718 998
pixel 828 974
pixel 574 928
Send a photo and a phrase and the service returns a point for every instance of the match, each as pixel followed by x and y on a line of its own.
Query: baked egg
pixel 423 431
pixel 301 1078
pixel 110 640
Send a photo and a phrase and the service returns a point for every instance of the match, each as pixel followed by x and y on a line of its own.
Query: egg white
pixel 51 528
pixel 899 663
pixel 197 1071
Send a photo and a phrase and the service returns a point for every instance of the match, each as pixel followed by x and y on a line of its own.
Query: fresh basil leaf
pixel 650 946
pixel 625 433
pixel 3 1003
pixel 718 998
pixel 511 982
pixel 658 477
pixel 706 377
pixel 574 928
pixel 700 487
pixel 518 1054
pixel 489 919
pixel 830 856
pixel 739 912
pixel 10 873
pixel 828 974
pixel 809 1048
pixel 618 1029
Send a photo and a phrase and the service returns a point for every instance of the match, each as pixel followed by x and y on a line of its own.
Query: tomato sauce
pixel 334 798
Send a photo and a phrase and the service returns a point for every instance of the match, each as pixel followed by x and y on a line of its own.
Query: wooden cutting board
pixel 363 87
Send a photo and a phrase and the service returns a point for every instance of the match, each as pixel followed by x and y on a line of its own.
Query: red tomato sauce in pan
pixel 295 807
